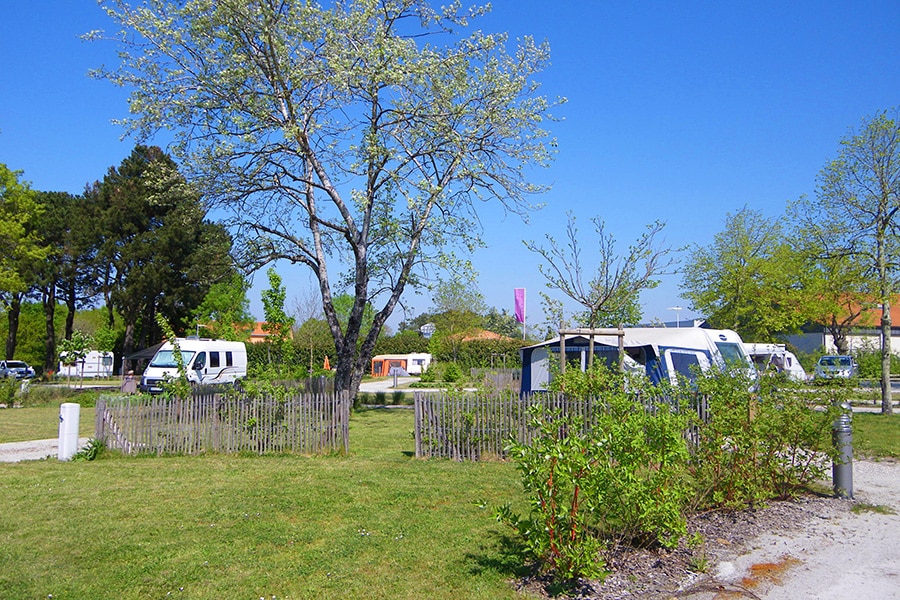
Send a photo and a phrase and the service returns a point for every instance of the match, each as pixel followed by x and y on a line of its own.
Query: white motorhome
pixel 94 364
pixel 206 362
pixel 663 354
pixel 776 358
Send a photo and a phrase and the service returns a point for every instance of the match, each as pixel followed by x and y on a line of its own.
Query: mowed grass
pixel 375 524
pixel 40 423
pixel 876 435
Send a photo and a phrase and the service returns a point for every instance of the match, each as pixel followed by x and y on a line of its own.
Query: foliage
pixel 869 362
pixel 179 386
pixel 402 342
pixel 358 148
pixel 620 477
pixel 93 450
pixel 475 353
pixel 159 254
pixel 452 373
pixel 854 214
pixel 225 311
pixel 747 279
pixel 649 455
pixel 611 295
pixel 21 246
pixel 73 350
pixel 756 446
pixel 502 322
pixel 313 340
pixel 278 324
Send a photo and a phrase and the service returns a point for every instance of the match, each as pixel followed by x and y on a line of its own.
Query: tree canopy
pixel 747 279
pixel 855 214
pixel 355 140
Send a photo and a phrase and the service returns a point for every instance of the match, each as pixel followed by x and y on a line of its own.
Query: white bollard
pixel 69 415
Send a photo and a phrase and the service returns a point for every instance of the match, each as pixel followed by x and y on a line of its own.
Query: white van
pixel 207 362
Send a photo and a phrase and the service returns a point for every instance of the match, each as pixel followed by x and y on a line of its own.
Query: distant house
pixel 866 336
pixel 259 333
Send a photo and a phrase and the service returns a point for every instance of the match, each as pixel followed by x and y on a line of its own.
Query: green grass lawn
pixel 375 524
pixel 40 423
pixel 876 435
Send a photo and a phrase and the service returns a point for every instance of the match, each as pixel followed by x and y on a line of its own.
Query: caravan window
pixel 229 362
pixel 214 360
pixel 686 364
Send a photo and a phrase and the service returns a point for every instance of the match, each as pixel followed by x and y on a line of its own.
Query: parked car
pixel 15 368
pixel 836 367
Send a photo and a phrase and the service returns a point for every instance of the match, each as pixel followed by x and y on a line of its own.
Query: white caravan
pixel 206 362
pixel 663 354
pixel 94 364
pixel 776 358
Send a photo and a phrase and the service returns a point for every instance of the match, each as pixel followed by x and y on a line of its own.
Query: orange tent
pixel 327 365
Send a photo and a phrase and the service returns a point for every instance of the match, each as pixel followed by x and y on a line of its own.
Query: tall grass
pixel 375 524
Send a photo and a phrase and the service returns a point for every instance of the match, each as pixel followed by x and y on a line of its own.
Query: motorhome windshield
pixel 166 358
pixel 732 354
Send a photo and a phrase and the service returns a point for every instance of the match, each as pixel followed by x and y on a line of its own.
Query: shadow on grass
pixel 511 561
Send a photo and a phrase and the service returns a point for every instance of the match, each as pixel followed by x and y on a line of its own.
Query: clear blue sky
pixel 677 111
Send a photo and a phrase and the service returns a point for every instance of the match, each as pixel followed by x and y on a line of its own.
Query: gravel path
pixel 33 450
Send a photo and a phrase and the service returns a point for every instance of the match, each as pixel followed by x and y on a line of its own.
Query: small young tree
pixel 278 324
pixel 610 296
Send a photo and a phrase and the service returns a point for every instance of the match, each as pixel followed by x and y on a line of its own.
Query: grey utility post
pixel 842 467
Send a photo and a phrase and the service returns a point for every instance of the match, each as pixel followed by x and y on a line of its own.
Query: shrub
pixel 646 458
pixel 757 446
pixel 452 373
pixel 620 478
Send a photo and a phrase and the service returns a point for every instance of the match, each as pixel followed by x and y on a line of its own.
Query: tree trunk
pixel 887 407
pixel 128 343
pixel 72 308
pixel 49 299
pixel 12 318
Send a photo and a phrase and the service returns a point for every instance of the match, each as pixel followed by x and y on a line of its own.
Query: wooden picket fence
pixel 477 426
pixel 299 423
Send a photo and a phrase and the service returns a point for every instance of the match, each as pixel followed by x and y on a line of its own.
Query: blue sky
pixel 677 111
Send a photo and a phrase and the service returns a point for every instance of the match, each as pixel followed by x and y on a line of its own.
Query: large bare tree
pixel 354 139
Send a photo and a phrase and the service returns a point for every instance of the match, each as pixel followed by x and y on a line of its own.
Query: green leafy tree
pixel 855 213
pixel 21 247
pixel 502 322
pixel 67 227
pixel 278 323
pixel 611 295
pixel 458 312
pixel 158 252
pixel 74 349
pixel 354 140
pixel 835 290
pixel 747 279
pixel 225 311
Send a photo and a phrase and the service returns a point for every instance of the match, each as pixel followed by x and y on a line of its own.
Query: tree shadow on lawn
pixel 512 562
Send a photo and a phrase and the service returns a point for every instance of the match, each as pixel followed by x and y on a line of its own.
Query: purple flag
pixel 520 305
